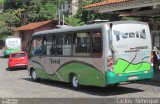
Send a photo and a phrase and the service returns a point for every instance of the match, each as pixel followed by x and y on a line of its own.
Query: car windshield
pixel 18 55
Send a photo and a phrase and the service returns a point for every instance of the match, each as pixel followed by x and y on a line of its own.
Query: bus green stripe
pixel 8 51
pixel 123 66
pixel 86 74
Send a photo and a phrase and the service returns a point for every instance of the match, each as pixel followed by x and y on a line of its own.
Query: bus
pixel 12 44
pixel 104 54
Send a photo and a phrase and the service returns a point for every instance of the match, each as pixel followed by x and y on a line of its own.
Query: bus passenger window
pixel 48 44
pixel 44 46
pixel 96 44
pixel 53 48
pixel 82 44
pixel 36 46
pixel 60 42
pixel 67 49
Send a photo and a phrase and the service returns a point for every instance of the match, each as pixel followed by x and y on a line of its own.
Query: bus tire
pixel 34 76
pixel 74 82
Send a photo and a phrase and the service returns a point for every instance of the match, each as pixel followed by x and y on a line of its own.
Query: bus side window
pixel 82 44
pixel 59 44
pixel 36 46
pixel 48 44
pixel 53 48
pixel 67 48
pixel 96 44
pixel 44 45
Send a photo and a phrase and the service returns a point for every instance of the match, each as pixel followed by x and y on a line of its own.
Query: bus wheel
pixel 75 82
pixel 34 76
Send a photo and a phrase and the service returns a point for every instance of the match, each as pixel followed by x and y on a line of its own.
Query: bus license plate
pixel 132 77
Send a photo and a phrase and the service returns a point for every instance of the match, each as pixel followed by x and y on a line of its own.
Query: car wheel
pixel 26 67
pixel 34 76
pixel 75 82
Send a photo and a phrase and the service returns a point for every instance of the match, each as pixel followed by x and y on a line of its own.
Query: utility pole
pixel 59 17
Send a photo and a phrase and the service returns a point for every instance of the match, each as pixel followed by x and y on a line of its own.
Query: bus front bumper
pixel 112 78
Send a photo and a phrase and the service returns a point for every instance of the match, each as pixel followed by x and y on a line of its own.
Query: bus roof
pixel 84 27
pixel 11 37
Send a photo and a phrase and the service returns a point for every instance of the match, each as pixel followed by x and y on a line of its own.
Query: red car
pixel 18 60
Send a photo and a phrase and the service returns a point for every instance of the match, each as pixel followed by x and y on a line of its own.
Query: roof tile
pixel 106 2
pixel 34 25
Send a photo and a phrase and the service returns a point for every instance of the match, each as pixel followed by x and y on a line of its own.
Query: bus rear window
pixel 18 55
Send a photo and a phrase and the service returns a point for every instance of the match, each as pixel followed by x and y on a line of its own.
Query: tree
pixel 85 15
pixel 4 30
pixel 41 10
pixel 10 19
pixel 73 21
pixel 47 12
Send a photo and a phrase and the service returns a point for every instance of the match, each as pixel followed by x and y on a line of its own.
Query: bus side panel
pixel 87 74
pixel 42 74
pixel 36 64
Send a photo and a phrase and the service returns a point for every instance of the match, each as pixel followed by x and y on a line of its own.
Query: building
pixel 131 8
pixel 69 7
pixel 25 32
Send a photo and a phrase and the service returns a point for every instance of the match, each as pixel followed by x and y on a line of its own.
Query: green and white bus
pixel 12 44
pixel 96 55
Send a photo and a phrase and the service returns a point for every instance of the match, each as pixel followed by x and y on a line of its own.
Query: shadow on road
pixel 15 69
pixel 150 82
pixel 106 91
pixel 154 82
pixel 4 57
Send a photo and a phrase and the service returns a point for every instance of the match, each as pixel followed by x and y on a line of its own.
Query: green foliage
pixel 18 12
pixel 73 21
pixel 85 15
pixel 4 30
pixel 48 11
pixel 41 10
pixel 10 19
pixel 130 19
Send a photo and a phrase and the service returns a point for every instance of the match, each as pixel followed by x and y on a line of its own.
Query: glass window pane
pixel 96 43
pixel 82 44
pixel 36 46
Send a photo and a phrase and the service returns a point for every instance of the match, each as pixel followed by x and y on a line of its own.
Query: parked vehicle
pixel 18 60
pixel 97 55
pixel 12 44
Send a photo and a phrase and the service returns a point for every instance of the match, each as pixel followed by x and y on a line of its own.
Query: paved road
pixel 17 84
